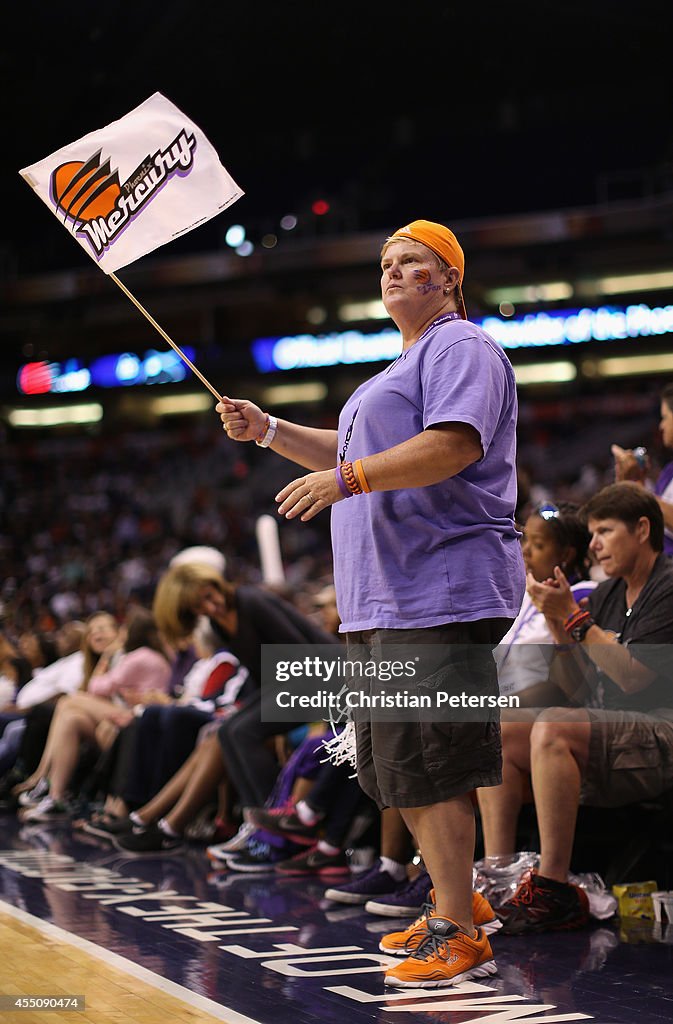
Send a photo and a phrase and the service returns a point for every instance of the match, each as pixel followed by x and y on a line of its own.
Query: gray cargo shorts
pixel 630 757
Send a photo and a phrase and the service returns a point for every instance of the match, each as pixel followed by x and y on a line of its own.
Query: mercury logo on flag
pixel 171 181
pixel 89 194
pixel 136 184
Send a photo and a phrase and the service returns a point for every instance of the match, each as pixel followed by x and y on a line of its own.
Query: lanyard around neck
pixel 443 319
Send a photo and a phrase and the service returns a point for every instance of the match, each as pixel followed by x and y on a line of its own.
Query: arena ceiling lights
pixel 170 405
pixel 560 291
pixel 620 285
pixel 545 373
pixel 55 415
pixel 291 394
pixel 627 366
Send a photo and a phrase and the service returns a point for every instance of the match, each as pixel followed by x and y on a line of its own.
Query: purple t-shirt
pixel 663 488
pixel 449 552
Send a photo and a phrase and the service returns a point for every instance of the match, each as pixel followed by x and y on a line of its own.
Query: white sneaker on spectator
pixel 46 810
pixel 34 795
pixel 237 843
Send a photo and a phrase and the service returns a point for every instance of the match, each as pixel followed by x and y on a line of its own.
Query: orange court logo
pixel 90 196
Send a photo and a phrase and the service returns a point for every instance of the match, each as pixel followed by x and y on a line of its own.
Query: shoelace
pixel 431 943
pixel 412 942
pixel 524 894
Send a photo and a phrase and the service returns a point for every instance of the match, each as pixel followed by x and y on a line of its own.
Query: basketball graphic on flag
pixel 83 190
pixel 138 183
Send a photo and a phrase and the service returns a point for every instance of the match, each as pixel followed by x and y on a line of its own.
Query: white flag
pixel 135 185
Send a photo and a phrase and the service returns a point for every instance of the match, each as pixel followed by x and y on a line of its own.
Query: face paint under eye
pixel 424 279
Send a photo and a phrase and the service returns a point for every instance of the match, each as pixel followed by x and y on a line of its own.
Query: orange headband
pixel 442 242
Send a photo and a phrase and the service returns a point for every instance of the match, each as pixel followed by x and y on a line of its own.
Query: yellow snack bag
pixel 634 899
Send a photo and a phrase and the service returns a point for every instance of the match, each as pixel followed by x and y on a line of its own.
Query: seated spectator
pixel 551 536
pixel 244 618
pixel 155 745
pixel 129 773
pixel 38 648
pixel 80 645
pixel 113 690
pixel 635 465
pixel 159 826
pixel 613 658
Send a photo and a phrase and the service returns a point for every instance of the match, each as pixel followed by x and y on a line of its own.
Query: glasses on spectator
pixel 548 511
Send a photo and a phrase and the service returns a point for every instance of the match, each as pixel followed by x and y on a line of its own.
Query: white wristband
pixel 270 433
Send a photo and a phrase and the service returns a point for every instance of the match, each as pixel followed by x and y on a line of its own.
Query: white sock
pixel 394 868
pixel 166 828
pixel 306 814
pixel 328 849
pixel 137 820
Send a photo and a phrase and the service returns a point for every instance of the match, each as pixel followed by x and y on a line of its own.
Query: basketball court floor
pixel 166 938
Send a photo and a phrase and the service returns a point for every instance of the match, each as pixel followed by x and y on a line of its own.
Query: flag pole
pixel 163 334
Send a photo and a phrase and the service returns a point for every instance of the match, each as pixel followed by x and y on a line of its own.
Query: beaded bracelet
pixel 349 478
pixel 360 474
pixel 341 483
pixel 269 432
pixel 575 619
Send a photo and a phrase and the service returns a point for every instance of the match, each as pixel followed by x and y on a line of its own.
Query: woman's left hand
pixel 308 495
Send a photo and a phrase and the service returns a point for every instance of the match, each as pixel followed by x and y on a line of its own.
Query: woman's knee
pixel 78 722
pixel 560 730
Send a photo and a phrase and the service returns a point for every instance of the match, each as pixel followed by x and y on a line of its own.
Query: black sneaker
pixel 108 827
pixel 259 857
pixel 314 862
pixel 543 904
pixel 148 840
pixel 222 853
pixel 282 821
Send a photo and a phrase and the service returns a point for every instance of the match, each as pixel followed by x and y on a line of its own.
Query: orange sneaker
pixel 443 956
pixel 484 915
pixel 402 943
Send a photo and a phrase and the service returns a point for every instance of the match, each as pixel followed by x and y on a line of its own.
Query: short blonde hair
pixel 177 599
